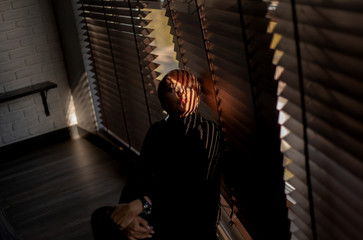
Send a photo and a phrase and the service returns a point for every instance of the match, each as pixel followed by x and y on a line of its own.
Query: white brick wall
pixel 30 53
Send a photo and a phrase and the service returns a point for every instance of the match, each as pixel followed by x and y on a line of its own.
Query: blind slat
pixel 115 11
pixel 120 4
pixel 91 17
pixel 329 18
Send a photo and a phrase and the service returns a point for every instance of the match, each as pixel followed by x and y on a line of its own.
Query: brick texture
pixel 30 53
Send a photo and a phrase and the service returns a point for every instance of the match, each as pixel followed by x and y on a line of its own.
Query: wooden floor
pixel 51 192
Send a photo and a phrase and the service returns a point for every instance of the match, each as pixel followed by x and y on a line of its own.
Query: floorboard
pixel 51 192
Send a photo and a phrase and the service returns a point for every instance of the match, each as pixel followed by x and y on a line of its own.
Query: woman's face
pixel 180 100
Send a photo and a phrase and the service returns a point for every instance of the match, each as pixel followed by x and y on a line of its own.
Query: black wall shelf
pixel 42 88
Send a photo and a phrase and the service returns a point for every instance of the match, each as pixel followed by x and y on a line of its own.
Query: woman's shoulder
pixel 208 123
pixel 155 131
pixel 157 126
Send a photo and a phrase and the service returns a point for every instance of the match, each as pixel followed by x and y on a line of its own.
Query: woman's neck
pixel 176 116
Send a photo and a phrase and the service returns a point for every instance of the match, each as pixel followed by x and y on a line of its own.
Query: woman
pixel 175 193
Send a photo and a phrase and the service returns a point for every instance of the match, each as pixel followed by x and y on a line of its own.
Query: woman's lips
pixel 183 101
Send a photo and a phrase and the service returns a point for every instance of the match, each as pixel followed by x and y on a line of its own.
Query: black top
pixel 179 171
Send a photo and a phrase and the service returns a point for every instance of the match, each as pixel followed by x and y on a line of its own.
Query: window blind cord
pixel 232 208
pixel 117 78
pixel 303 110
pixel 249 67
pixel 211 72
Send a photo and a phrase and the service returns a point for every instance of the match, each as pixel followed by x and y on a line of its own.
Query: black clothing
pixel 178 170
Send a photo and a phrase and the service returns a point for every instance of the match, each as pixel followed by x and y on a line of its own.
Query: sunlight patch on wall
pixel 71 113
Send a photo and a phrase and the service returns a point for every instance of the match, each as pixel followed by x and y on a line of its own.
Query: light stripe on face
pixel 184 86
pixel 192 102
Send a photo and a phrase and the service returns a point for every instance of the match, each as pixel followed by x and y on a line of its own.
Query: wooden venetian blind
pixel 123 65
pixel 321 103
pixel 226 44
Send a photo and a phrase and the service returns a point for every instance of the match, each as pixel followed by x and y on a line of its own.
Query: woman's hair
pixel 183 77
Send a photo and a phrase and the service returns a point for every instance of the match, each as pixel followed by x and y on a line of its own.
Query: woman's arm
pixel 140 181
pixel 125 213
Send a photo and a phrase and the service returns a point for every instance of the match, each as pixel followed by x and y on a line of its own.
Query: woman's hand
pixel 124 214
pixel 138 229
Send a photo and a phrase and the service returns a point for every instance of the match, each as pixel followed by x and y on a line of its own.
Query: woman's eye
pixel 170 89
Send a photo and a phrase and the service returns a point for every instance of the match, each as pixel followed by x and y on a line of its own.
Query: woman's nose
pixel 181 92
